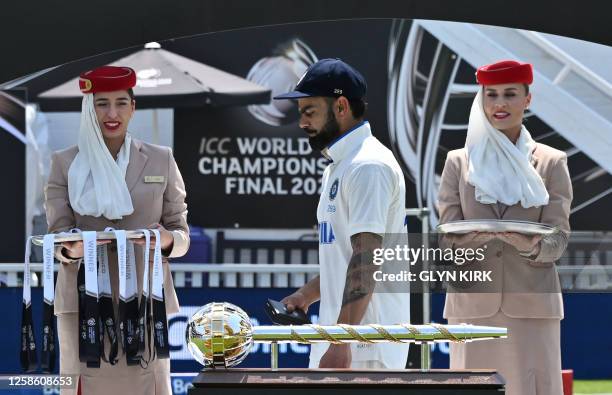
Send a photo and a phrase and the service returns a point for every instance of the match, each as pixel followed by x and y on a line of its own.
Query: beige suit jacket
pixel 514 275
pixel 162 202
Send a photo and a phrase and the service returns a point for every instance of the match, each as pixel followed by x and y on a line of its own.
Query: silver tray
pixel 496 226
pixel 62 237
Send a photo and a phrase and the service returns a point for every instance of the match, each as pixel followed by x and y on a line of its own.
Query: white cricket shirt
pixel 363 190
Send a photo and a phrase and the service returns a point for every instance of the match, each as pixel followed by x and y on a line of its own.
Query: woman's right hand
pixel 74 249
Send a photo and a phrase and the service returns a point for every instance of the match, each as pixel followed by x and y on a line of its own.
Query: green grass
pixel 592 386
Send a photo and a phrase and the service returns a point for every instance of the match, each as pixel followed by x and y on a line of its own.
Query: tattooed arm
pixel 358 290
pixel 360 282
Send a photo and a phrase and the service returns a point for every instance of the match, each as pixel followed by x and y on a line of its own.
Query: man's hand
pixel 167 239
pixel 523 243
pixel 304 297
pixel 296 300
pixel 336 356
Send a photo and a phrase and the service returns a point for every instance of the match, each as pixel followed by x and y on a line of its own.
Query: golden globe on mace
pixel 220 335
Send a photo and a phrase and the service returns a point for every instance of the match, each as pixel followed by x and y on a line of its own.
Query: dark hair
pixel 358 106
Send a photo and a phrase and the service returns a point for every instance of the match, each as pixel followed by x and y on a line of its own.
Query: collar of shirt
pixel 344 144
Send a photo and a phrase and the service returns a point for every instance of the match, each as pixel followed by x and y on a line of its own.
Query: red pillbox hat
pixel 505 72
pixel 107 79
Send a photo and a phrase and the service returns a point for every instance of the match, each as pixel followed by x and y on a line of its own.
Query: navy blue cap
pixel 329 78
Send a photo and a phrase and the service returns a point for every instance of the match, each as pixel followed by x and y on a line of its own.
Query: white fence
pixel 594 277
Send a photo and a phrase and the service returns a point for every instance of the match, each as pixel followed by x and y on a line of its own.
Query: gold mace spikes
pixel 221 334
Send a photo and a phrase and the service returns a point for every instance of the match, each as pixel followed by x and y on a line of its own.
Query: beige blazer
pixel 162 202
pixel 523 287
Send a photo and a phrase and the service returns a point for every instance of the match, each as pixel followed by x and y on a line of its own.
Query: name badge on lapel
pixel 154 179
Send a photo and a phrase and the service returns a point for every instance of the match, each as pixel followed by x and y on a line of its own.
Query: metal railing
pixel 572 277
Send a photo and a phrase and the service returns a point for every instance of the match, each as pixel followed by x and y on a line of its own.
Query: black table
pixel 347 381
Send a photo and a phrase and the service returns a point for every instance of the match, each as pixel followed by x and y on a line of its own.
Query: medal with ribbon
pixel 128 301
pixel 160 323
pixel 28 345
pixel 105 303
pixel 91 313
pixel 47 363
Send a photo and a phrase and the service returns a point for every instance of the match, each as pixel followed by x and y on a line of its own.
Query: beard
pixel 328 133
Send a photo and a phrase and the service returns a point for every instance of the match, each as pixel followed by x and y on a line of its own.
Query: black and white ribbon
pixel 92 312
pixel 28 345
pixel 128 301
pixel 144 314
pixel 47 363
pixel 160 323
pixel 105 302
pixel 82 319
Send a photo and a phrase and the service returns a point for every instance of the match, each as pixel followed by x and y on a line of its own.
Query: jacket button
pixel 499 254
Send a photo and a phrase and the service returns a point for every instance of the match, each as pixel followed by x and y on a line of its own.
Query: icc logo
pixel 326 233
pixel 159 325
pixel 91 322
pixel 333 191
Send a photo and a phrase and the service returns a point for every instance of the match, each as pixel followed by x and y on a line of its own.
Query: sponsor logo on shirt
pixel 326 233
pixel 331 208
